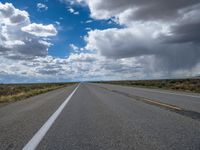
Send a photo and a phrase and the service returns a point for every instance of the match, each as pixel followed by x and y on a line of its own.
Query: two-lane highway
pixel 99 116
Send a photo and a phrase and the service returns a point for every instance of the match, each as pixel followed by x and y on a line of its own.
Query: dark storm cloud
pixel 44 71
pixel 33 47
pixel 160 9
pixel 168 30
pixel 141 9
pixel 181 56
pixel 183 33
pixel 125 43
pixel 3 49
pixel 29 50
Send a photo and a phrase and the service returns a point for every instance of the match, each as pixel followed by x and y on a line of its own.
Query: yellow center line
pixel 144 99
pixel 163 104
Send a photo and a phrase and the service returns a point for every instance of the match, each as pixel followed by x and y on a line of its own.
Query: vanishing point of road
pixel 92 116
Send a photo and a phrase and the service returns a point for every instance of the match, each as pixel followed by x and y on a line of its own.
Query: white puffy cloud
pixel 74 48
pixel 40 30
pixel 166 30
pixel 158 39
pixel 121 43
pixel 21 39
pixel 82 57
pixel 24 57
pixel 72 11
pixel 11 16
pixel 83 66
pixel 73 2
pixel 137 42
pixel 42 7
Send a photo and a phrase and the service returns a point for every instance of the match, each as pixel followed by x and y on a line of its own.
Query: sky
pixel 84 40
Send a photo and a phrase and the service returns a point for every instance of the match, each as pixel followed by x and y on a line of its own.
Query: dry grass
pixel 16 92
pixel 189 85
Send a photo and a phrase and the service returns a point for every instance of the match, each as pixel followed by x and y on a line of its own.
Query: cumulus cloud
pixel 72 11
pixel 157 39
pixel 42 7
pixel 24 56
pixel 167 31
pixel 131 42
pixel 83 57
pixel 187 32
pixel 40 30
pixel 74 48
pixel 73 2
pixel 139 10
pixel 83 66
pixel 120 43
pixel 11 16
pixel 21 39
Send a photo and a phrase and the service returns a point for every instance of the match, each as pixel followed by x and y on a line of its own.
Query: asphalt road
pixel 99 116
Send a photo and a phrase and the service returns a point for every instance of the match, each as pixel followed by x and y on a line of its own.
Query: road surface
pixel 101 116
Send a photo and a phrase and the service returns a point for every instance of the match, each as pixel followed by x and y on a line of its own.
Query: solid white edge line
pixel 37 138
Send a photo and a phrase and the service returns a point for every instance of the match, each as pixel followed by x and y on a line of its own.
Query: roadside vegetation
pixel 16 92
pixel 189 85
